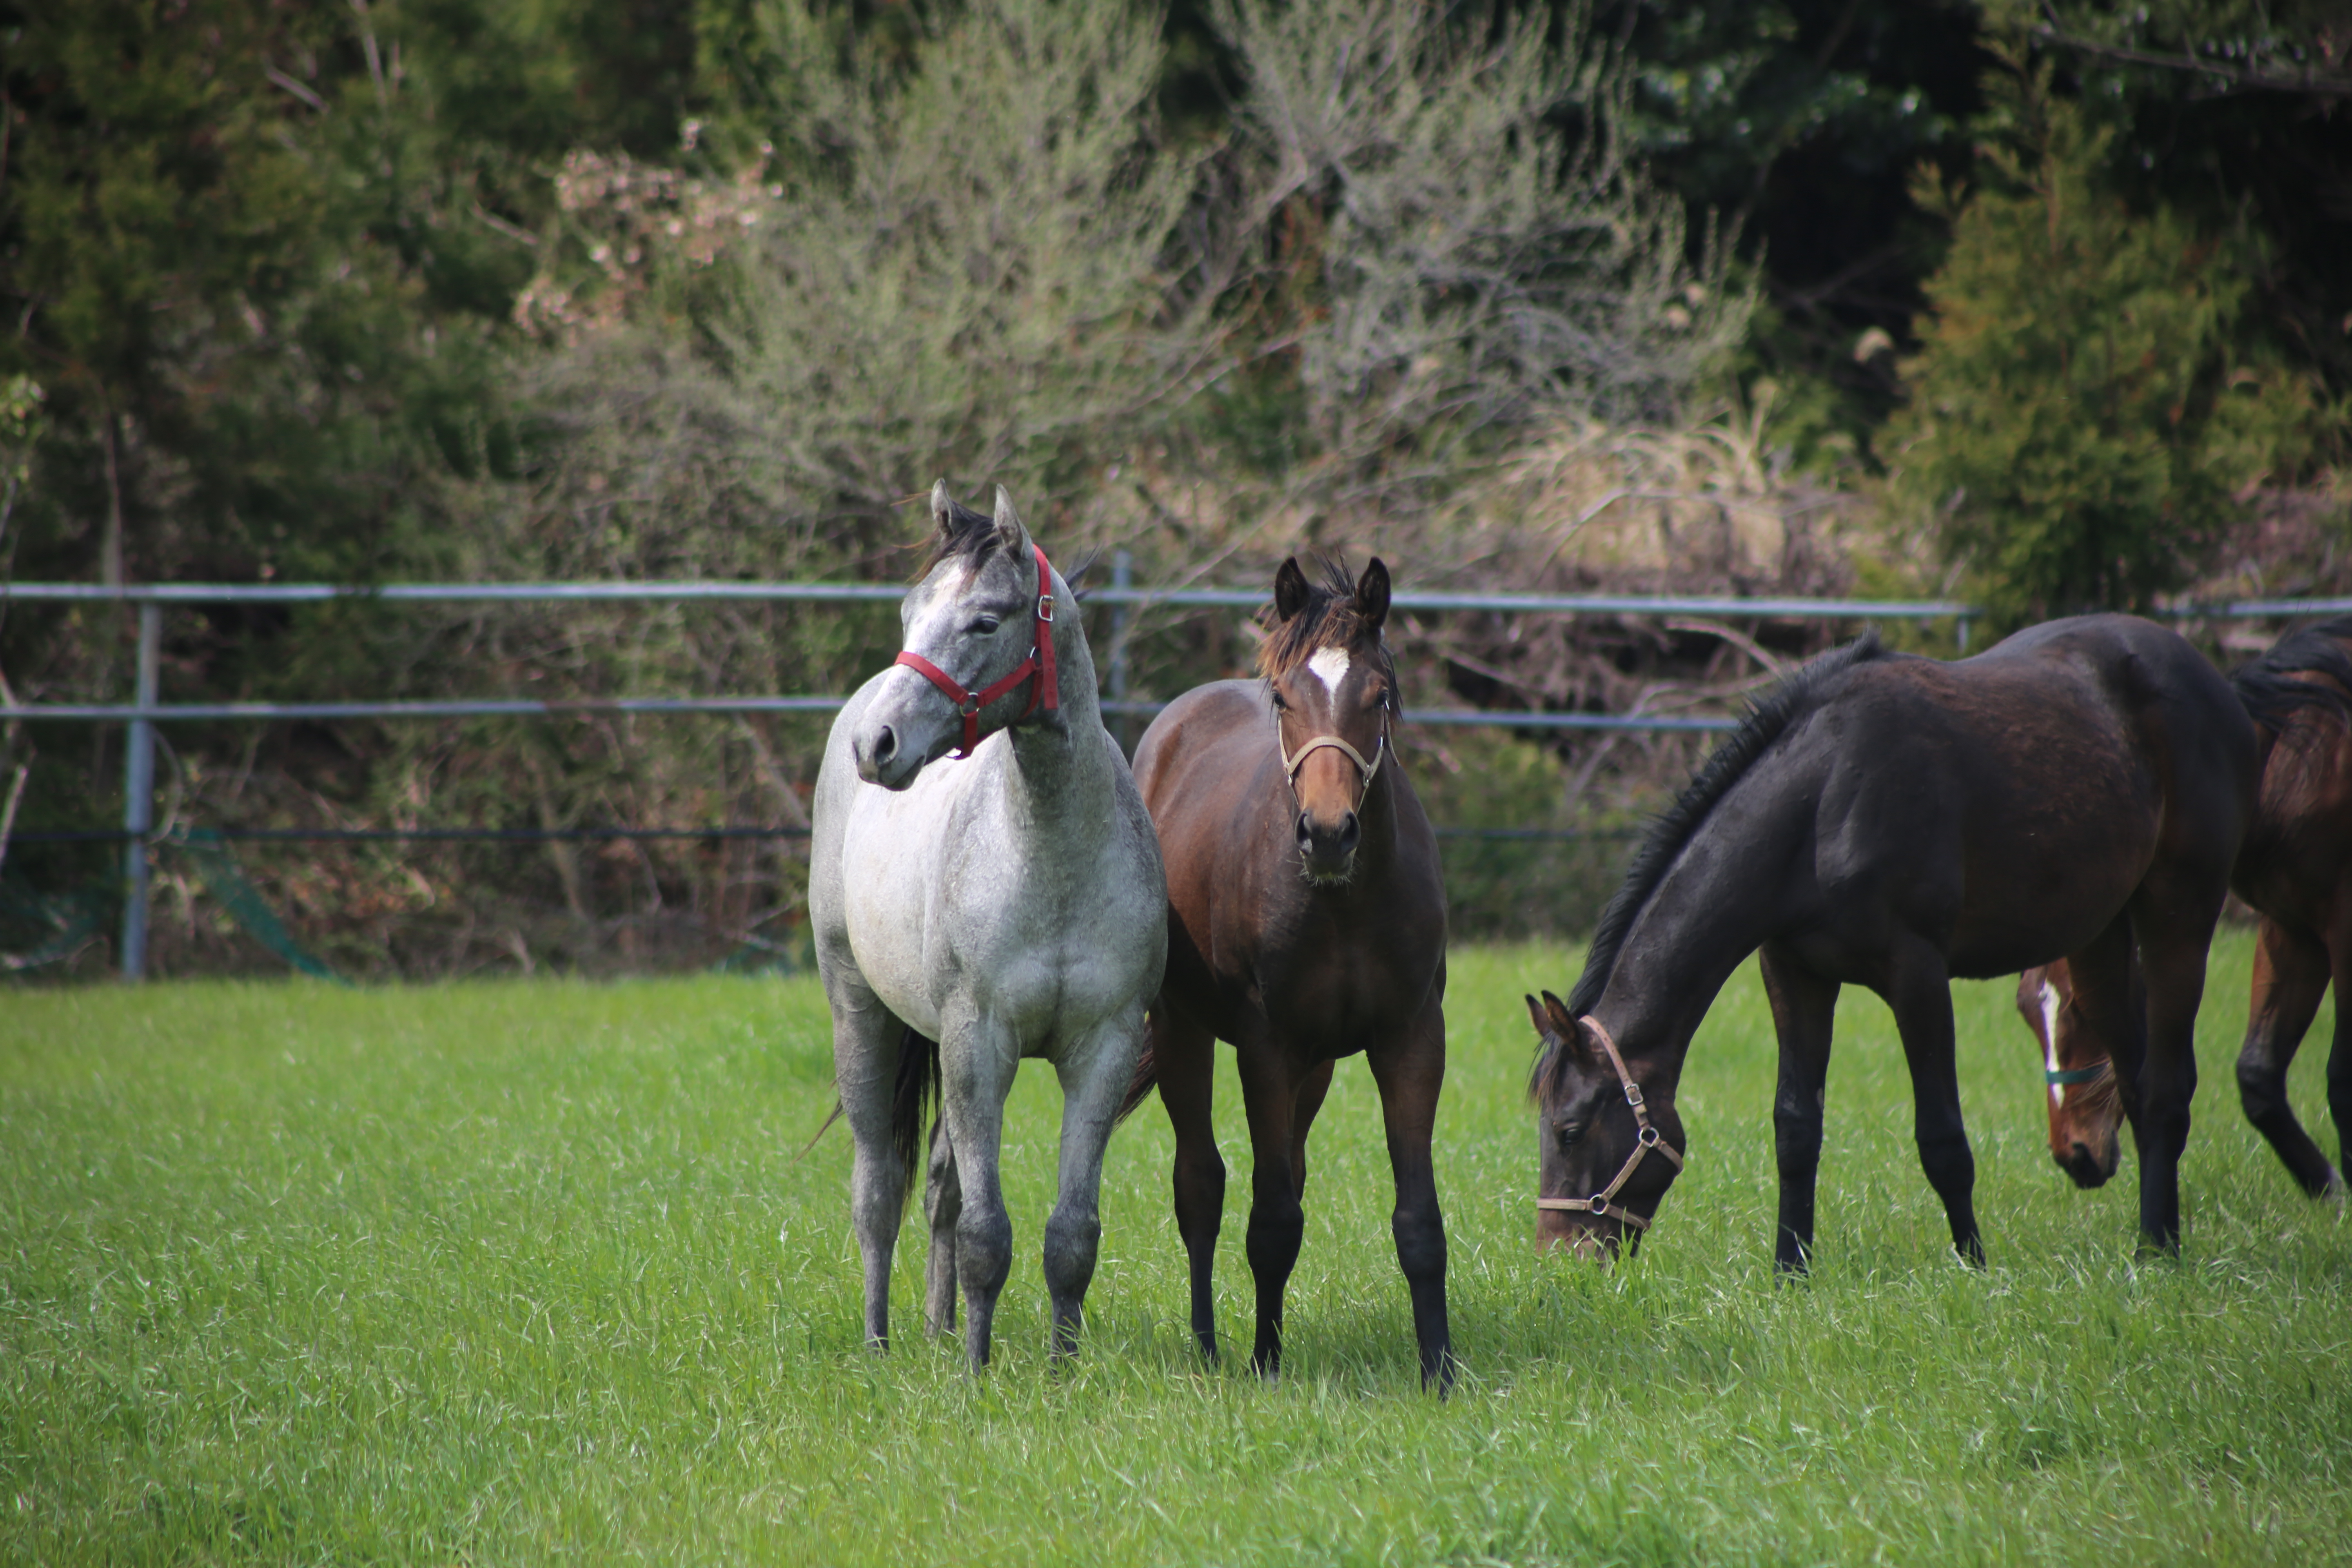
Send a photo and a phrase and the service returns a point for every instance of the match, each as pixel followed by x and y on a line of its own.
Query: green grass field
pixel 507 1273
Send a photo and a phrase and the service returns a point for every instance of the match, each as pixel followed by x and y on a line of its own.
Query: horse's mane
pixel 2267 687
pixel 971 536
pixel 1767 717
pixel 1328 619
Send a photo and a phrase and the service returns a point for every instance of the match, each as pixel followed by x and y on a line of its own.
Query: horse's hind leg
pixel 1410 1076
pixel 866 1043
pixel 943 1205
pixel 2172 919
pixel 1921 997
pixel 1186 1057
pixel 1804 1006
pixel 2291 975
pixel 1094 1080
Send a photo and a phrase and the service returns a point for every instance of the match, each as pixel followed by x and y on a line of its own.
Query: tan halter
pixel 1645 1141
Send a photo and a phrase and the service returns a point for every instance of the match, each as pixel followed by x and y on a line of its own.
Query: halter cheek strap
pixel 1046 694
pixel 1604 1203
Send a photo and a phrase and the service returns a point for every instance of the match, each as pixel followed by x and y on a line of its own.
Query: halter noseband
pixel 1647 1139
pixel 2078 1075
pixel 1294 760
pixel 1046 694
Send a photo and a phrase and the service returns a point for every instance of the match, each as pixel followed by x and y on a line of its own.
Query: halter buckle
pixel 1633 1094
pixel 1045 609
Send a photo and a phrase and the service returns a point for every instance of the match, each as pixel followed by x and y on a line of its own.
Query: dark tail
pixel 2269 690
pixel 917 1092
pixel 1139 1086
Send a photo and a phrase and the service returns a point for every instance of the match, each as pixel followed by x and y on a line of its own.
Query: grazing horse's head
pixel 1608 1154
pixel 974 619
pixel 2086 1106
pixel 1333 689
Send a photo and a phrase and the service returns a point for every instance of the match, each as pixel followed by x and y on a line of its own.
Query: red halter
pixel 1046 694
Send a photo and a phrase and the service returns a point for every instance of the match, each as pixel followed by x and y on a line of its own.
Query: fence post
pixel 138 796
pixel 1122 575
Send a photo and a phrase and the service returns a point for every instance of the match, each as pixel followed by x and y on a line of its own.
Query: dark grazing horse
pixel 2295 868
pixel 1305 922
pixel 1890 821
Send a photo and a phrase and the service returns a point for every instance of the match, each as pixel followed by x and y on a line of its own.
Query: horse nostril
pixel 1350 831
pixel 1306 832
pixel 885 744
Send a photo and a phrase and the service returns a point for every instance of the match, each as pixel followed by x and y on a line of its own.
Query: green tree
pixel 2082 408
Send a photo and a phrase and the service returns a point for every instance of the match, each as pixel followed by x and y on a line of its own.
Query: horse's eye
pixel 985 624
pixel 1278 703
pixel 1567 1132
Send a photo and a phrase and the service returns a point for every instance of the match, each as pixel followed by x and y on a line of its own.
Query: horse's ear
pixel 1535 1017
pixel 943 509
pixel 1563 1023
pixel 1009 530
pixel 1289 590
pixel 1373 594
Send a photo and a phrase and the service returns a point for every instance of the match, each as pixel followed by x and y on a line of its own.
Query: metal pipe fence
pixel 147 710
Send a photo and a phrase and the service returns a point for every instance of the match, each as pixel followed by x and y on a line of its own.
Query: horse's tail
pixel 1139 1086
pixel 2268 689
pixel 917 1090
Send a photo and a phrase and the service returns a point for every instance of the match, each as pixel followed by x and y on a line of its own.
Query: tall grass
pixel 529 1270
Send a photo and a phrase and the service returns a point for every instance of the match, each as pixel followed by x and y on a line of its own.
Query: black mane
pixel 972 536
pixel 2272 695
pixel 1767 717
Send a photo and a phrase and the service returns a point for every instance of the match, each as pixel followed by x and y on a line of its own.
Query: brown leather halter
pixel 1647 1139
pixel 1046 694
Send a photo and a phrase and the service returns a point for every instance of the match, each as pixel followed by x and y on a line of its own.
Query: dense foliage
pixel 1618 292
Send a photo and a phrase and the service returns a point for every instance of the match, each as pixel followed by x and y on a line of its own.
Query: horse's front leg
pixel 1276 1222
pixel 977 1060
pixel 1804 1006
pixel 1411 1075
pixel 1920 993
pixel 1184 1054
pixel 866 1043
pixel 1094 1078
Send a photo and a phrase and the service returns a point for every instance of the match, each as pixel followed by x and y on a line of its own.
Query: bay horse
pixel 2086 1105
pixel 1890 821
pixel 1305 922
pixel 2295 869
pixel 970 913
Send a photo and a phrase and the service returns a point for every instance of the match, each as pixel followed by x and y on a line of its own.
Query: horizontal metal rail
pixel 267 712
pixel 889 593
pixel 607 835
pixel 1735 605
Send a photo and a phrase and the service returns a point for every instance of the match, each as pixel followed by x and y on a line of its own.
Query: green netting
pixel 63 922
pixel 226 881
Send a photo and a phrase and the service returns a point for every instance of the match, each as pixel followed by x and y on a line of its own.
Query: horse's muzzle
pixel 1328 850
pixel 2086 1167
pixel 883 758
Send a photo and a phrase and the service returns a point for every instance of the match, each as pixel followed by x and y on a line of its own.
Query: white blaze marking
pixel 2051 1005
pixel 1330 666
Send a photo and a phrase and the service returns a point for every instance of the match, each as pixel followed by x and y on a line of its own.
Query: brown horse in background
pixel 2086 1103
pixel 1305 922
pixel 2295 868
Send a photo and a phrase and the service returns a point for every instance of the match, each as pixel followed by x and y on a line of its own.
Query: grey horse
pixel 974 911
